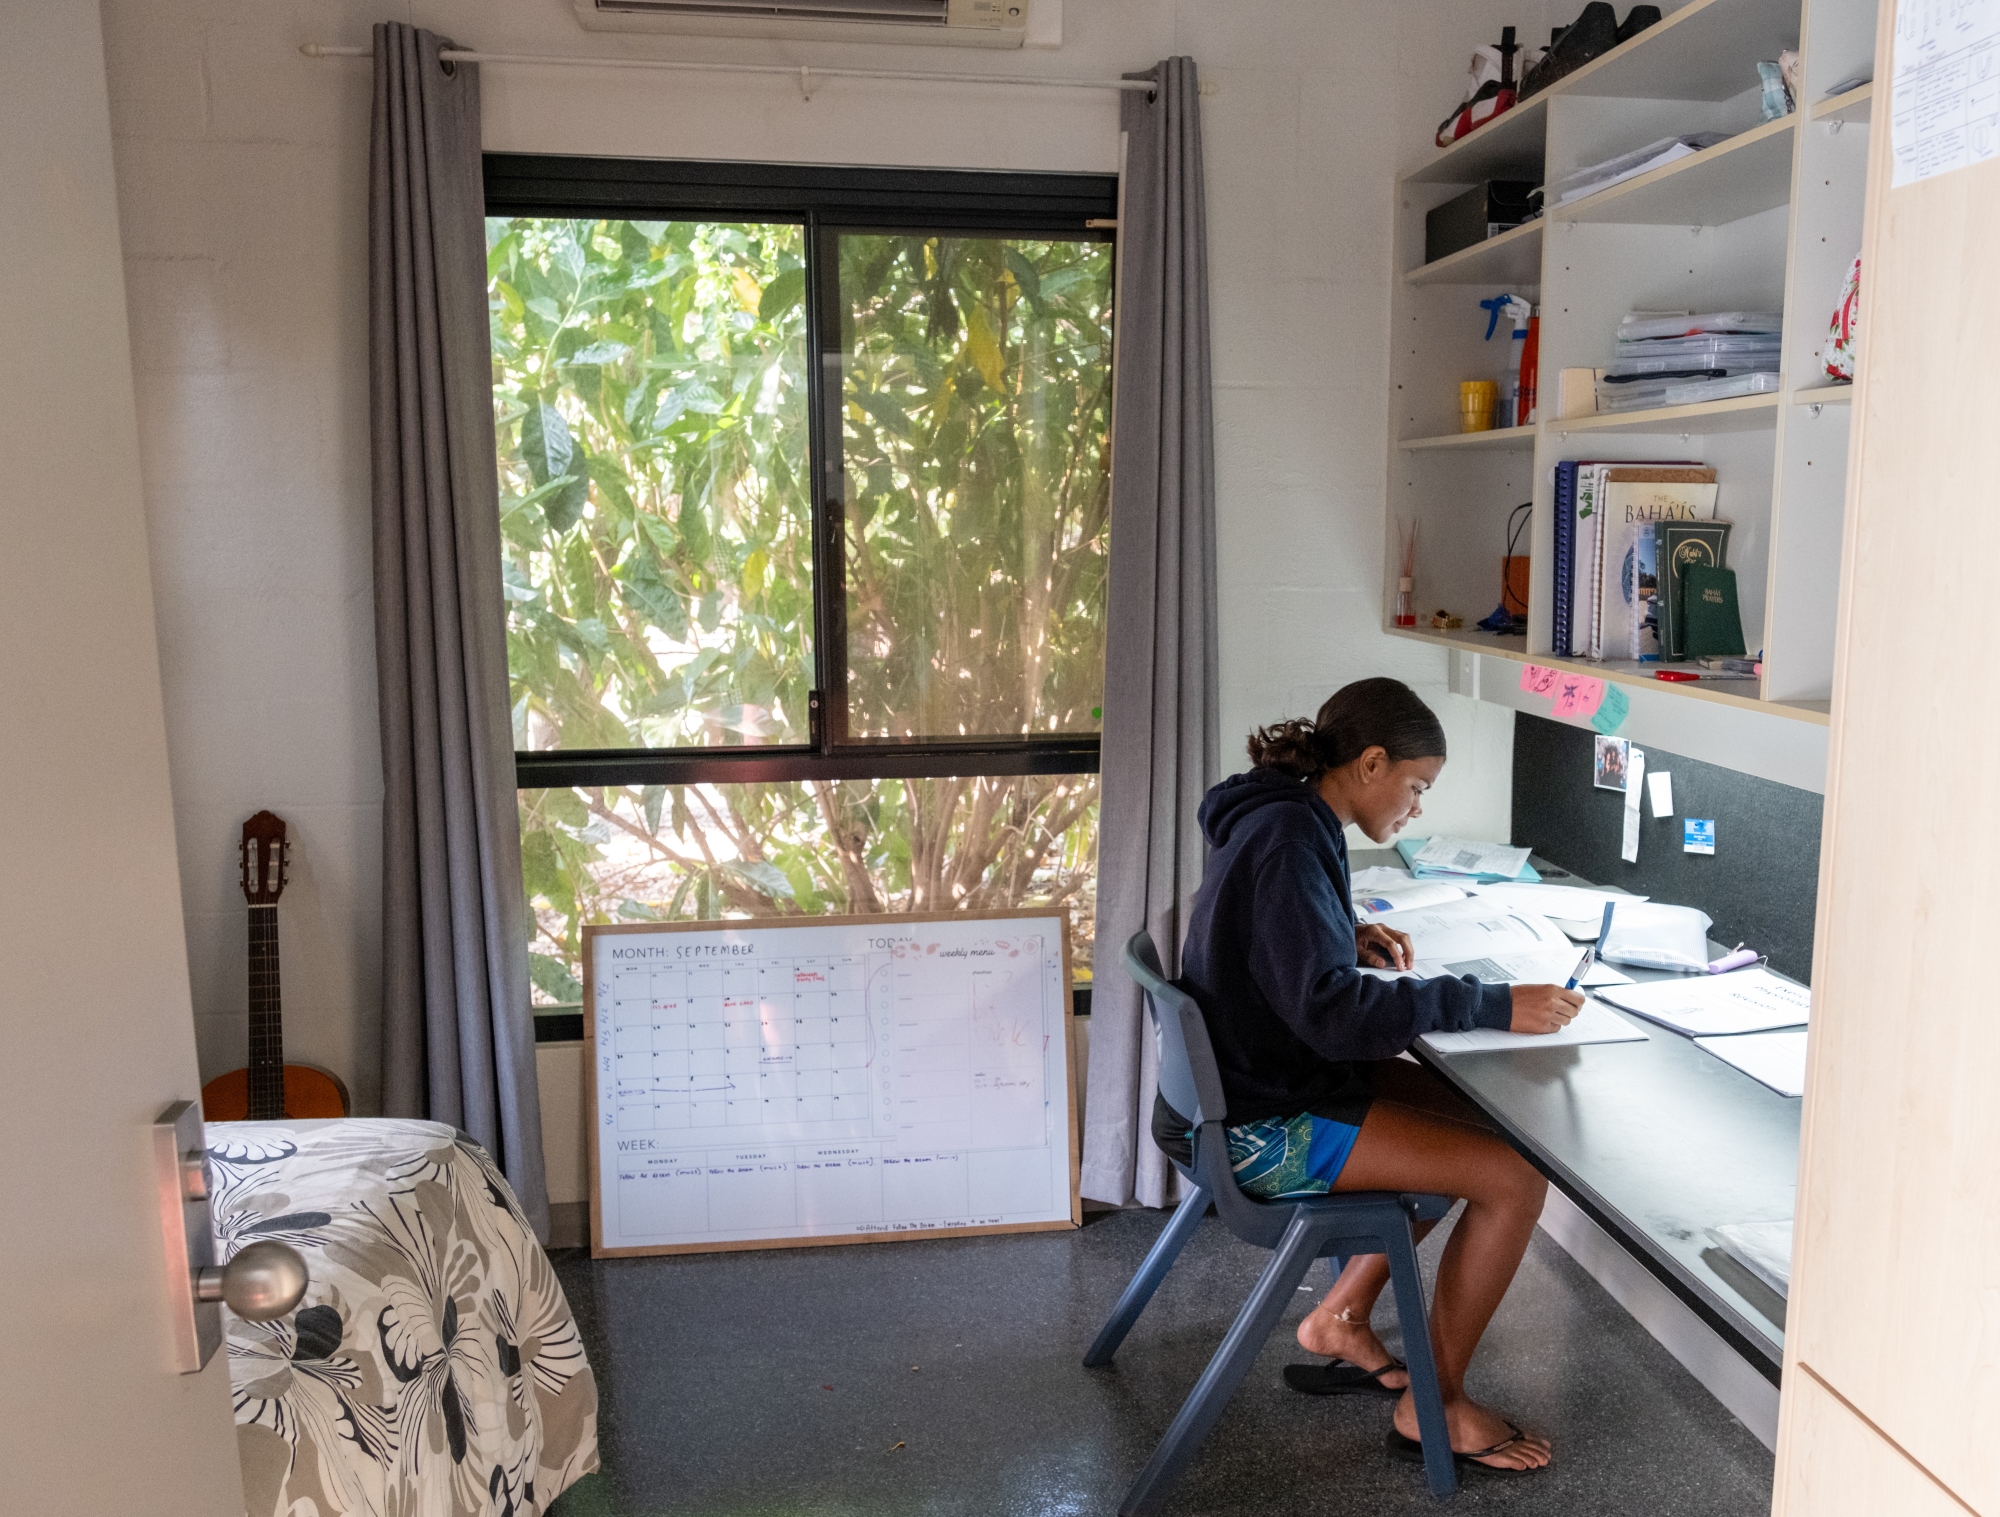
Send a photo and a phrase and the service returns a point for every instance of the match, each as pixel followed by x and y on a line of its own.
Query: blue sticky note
pixel 1611 715
pixel 1697 836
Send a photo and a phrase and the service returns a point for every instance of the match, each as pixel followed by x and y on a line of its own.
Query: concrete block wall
pixel 242 172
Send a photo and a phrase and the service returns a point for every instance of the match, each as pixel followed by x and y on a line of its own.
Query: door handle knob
pixel 264 1281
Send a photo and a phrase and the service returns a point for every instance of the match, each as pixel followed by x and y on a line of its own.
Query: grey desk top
pixel 1657 1142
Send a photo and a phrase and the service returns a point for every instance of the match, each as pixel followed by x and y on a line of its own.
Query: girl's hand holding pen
pixel 1544 1008
pixel 1380 947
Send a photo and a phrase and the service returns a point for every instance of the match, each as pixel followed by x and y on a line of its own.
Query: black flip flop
pixel 1340 1378
pixel 1412 1452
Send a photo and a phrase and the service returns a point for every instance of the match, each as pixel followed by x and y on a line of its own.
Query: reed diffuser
pixel 1406 609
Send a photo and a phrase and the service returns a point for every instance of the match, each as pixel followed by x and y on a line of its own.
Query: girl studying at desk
pixel 1307 1046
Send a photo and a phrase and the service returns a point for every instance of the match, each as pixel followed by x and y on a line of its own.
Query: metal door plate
pixel 180 1170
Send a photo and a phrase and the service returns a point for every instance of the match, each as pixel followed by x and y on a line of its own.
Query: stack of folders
pixel 1466 861
pixel 1613 521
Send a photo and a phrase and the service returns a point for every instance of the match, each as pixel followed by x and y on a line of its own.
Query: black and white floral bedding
pixel 434 1369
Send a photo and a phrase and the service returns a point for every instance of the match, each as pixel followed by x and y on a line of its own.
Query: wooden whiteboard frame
pixel 757 924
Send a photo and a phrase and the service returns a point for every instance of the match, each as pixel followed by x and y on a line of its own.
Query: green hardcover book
pixel 1680 545
pixel 1708 603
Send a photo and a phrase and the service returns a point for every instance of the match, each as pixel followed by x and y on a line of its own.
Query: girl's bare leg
pixel 1402 1148
pixel 1338 1328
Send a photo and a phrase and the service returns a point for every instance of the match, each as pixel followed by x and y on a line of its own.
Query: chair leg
pixel 1289 1262
pixel 1159 1260
pixel 1408 1281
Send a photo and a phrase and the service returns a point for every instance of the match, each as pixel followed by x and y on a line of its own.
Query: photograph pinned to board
pixel 1611 762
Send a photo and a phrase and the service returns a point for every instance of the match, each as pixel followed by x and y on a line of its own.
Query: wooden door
pixel 1892 1373
pixel 94 1416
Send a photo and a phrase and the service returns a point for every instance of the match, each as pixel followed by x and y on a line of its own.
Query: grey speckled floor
pixel 931 1379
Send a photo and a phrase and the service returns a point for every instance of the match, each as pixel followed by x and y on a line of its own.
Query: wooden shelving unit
pixel 1741 413
pixel 1511 258
pixel 1738 693
pixel 1768 219
pixel 1495 437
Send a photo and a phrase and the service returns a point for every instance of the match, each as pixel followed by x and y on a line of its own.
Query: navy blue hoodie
pixel 1269 957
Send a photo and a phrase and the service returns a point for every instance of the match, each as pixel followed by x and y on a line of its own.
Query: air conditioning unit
pixel 961 23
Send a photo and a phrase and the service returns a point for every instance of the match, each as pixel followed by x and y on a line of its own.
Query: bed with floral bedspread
pixel 434 1369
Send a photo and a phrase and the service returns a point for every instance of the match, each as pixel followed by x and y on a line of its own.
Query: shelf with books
pixel 1768 219
pixel 1741 694
pixel 1512 258
pixel 1741 413
pixel 1493 437
pixel 1750 172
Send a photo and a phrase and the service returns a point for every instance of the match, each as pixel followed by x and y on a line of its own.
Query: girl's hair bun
pixel 1370 713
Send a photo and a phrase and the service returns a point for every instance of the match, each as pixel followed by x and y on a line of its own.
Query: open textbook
pixel 1474 928
pixel 1373 903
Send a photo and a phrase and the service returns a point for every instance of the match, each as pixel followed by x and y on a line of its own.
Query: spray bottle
pixel 1522 315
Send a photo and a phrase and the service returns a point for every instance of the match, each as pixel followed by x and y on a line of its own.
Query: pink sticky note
pixel 1538 679
pixel 1578 695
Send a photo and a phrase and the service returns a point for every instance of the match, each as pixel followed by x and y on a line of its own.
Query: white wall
pixel 242 169
pixel 94 1416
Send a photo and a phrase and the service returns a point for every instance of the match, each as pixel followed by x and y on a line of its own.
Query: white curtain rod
pixel 803 73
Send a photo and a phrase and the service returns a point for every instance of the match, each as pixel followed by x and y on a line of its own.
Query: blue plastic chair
pixel 1296 1231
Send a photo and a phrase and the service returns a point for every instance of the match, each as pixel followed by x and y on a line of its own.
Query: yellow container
pixel 1477 401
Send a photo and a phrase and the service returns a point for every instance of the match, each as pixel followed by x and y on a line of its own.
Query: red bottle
pixel 1531 349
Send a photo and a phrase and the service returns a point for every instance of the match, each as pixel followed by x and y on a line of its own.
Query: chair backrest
pixel 1193 1087
pixel 1188 1076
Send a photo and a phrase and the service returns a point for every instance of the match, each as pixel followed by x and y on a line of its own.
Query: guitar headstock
pixel 263 855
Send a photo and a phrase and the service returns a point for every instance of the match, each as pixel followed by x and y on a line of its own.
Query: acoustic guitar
pixel 270 1090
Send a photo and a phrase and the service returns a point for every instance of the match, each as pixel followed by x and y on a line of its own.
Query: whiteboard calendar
pixel 758 1084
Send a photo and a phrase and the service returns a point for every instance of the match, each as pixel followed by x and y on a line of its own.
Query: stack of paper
pixel 1465 860
pixel 1380 874
pixel 1577 911
pixel 1776 1059
pixel 1601 176
pixel 1537 967
pixel 1724 1005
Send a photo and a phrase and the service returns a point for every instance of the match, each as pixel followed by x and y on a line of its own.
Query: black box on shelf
pixel 1484 211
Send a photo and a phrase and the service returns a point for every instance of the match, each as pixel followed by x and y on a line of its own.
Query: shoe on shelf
pixel 1637 20
pixel 1489 92
pixel 1590 36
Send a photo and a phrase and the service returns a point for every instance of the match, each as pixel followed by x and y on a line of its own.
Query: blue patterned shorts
pixel 1289 1156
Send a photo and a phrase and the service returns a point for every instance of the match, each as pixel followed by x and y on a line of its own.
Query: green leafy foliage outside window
pixel 651 409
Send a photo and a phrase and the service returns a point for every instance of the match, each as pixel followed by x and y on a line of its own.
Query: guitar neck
pixel 267 1033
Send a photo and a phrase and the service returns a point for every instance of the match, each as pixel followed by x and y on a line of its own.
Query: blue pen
pixel 1590 953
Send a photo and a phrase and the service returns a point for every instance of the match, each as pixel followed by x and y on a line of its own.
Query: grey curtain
pixel 1160 750
pixel 458 1041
